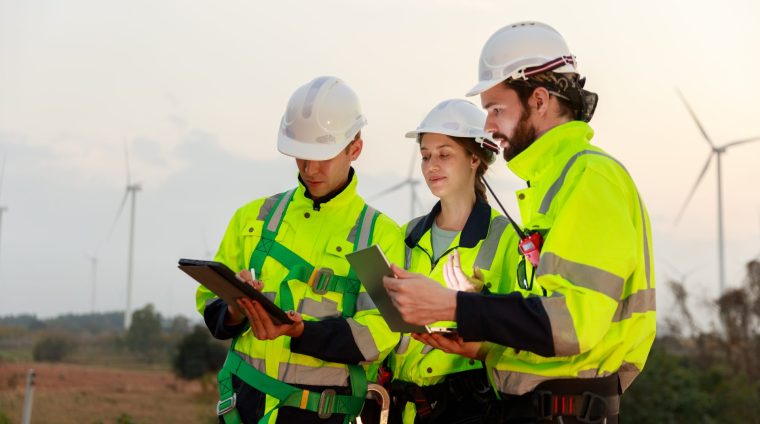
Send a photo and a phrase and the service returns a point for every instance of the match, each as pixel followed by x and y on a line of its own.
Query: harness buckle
pixel 226 405
pixel 585 415
pixel 542 404
pixel 326 403
pixel 321 279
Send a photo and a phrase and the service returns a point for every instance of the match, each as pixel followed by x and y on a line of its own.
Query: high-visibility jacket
pixel 486 241
pixel 596 264
pixel 321 234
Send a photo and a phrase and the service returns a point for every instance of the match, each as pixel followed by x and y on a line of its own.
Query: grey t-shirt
pixel 441 239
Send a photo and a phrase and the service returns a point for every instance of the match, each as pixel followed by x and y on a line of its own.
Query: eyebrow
pixel 488 105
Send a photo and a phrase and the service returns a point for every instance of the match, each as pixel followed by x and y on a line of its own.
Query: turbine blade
pixel 118 214
pixel 126 159
pixel 389 190
pixel 411 165
pixel 735 143
pixel 694 116
pixel 694 187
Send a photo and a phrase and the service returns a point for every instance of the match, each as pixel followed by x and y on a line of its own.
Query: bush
pixel 197 353
pixel 144 336
pixel 53 348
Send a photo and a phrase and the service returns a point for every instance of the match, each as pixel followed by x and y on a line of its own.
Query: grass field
pixel 74 393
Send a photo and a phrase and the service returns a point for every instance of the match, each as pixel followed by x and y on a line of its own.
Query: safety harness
pixel 321 280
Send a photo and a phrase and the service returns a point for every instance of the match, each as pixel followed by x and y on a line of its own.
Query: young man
pixel 292 247
pixel 563 357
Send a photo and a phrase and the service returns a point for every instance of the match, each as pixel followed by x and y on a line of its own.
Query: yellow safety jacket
pixel 485 241
pixel 596 263
pixel 321 235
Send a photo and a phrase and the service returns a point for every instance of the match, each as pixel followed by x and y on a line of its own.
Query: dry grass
pixel 68 393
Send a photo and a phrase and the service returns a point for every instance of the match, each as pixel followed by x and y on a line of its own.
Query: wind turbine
pixel 131 189
pixel 410 182
pixel 715 151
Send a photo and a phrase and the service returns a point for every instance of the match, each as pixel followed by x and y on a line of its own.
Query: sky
pixel 196 89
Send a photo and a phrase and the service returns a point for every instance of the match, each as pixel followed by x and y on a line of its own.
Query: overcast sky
pixel 196 91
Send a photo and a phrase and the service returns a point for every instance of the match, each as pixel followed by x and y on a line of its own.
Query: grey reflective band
pixel 312 376
pixel 257 363
pixel 563 331
pixel 627 373
pixel 403 344
pixel 364 341
pixel 267 206
pixel 311 96
pixel 274 223
pixel 270 295
pixel 366 230
pixel 519 383
pixel 581 275
pixel 491 243
pixel 408 250
pixel 557 185
pixel 426 349
pixel 641 302
pixel 364 302
pixel 325 309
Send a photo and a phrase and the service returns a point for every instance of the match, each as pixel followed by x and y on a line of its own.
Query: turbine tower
pixel 131 190
pixel 715 151
pixel 414 201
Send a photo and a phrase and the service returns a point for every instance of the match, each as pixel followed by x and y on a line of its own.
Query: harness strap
pixel 324 403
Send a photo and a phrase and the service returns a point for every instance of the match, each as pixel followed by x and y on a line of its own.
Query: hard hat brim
pixel 294 148
pixel 483 86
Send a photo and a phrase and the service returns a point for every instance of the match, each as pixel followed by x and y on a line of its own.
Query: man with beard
pixel 568 355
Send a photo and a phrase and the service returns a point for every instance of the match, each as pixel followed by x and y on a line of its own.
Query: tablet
pixel 371 266
pixel 222 281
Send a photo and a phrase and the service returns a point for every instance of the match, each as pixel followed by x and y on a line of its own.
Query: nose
pixel 490 126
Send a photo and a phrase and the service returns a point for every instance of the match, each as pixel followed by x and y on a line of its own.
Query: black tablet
pixel 222 281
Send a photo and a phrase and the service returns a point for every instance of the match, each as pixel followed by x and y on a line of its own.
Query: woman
pixel 464 231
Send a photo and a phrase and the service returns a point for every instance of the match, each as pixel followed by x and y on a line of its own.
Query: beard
pixel 525 135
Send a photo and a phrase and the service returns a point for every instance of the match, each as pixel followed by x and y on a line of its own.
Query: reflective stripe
pixel 519 383
pixel 312 376
pixel 557 185
pixel 324 309
pixel 642 301
pixel 270 295
pixel 364 341
pixel 627 373
pixel 491 243
pixel 581 275
pixel 274 223
pixel 403 345
pixel 257 363
pixel 364 302
pixel 366 230
pixel 563 331
pixel 426 349
pixel 267 206
pixel 516 383
pixel 408 250
pixel 210 301
pixel 647 265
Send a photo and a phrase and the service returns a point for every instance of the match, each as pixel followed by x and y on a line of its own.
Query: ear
pixel 356 149
pixel 474 161
pixel 540 100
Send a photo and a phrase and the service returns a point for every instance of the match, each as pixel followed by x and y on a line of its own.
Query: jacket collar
pixel 475 229
pixel 556 146
pixel 337 198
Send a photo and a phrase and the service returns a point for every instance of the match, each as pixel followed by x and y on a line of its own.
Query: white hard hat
pixel 520 50
pixel 457 118
pixel 322 117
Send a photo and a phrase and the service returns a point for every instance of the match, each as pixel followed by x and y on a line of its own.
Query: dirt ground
pixel 66 393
